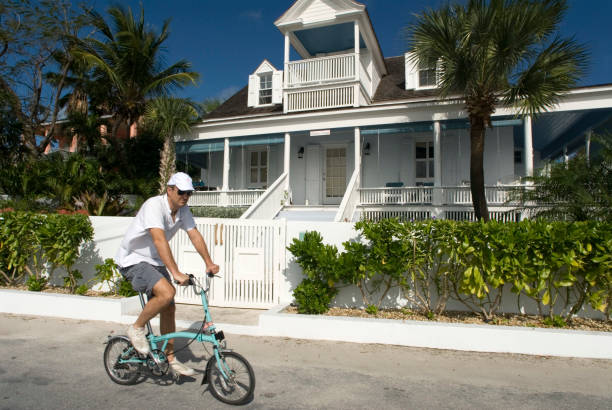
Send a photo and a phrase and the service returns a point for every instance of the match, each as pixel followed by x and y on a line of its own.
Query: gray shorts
pixel 143 276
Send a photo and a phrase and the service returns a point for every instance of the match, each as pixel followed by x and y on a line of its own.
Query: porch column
pixel 287 161
pixel 226 165
pixel 587 145
pixel 528 143
pixel 357 62
pixel 357 149
pixel 287 45
pixel 437 197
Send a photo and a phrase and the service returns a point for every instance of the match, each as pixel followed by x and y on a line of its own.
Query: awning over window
pixel 428 126
pixel 202 146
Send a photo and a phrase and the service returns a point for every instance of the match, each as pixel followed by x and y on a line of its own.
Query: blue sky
pixel 226 40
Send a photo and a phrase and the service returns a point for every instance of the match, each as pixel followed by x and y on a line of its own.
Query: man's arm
pixel 163 249
pixel 198 242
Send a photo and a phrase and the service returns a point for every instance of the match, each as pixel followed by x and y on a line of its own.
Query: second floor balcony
pixel 327 82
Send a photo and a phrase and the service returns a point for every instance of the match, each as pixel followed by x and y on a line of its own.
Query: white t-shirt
pixel 137 245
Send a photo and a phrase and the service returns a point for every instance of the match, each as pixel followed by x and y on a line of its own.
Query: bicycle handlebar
pixel 191 280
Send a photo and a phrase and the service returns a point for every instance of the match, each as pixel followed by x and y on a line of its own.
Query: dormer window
pixel 423 76
pixel 265 88
pixel 427 75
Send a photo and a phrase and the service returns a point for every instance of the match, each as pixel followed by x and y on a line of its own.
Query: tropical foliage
pixel 579 190
pixel 558 268
pixel 170 117
pixel 497 52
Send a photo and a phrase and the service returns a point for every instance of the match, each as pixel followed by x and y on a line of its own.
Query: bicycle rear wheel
pixel 119 349
pixel 239 385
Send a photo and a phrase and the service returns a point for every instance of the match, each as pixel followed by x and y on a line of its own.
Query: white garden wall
pixel 109 231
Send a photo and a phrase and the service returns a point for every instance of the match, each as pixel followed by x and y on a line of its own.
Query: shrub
pixel 313 296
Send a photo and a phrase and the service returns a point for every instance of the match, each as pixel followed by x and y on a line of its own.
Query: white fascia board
pixel 366 29
pixel 360 117
pixel 589 98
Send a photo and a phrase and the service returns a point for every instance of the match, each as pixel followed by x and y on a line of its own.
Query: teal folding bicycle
pixel 229 375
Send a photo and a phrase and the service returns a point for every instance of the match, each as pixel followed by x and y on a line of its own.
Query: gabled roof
pixel 265 67
pixel 326 9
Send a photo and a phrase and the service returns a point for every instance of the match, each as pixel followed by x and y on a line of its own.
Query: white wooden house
pixel 344 133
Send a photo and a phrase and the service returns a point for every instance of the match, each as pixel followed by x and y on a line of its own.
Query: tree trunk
pixel 477 139
pixel 167 164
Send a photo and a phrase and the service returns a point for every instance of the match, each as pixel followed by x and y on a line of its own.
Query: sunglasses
pixel 181 193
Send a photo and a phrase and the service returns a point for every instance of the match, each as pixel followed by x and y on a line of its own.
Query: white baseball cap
pixel 182 181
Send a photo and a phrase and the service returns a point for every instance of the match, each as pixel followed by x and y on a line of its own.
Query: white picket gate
pixel 251 257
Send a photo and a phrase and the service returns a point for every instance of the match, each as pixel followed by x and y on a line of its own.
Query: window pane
pixel 254 159
pixel 254 175
pixel 431 169
pixel 427 78
pixel 264 158
pixel 421 170
pixel 421 150
pixel 431 151
pixel 263 174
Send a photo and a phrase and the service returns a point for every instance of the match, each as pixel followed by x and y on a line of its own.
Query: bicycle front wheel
pixel 238 385
pixel 117 351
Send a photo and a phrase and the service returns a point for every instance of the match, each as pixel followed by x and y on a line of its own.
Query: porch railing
pixel 350 199
pixel 321 70
pixel 404 195
pixel 270 203
pixel 225 198
pixel 496 195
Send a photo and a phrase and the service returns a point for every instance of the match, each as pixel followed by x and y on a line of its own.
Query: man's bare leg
pixel 163 293
pixel 167 324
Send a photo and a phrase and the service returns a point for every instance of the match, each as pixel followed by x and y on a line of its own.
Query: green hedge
pixel 33 246
pixel 561 266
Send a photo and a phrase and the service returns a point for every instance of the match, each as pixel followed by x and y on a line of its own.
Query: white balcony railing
pixel 321 70
pixel 405 195
pixel 496 195
pixel 225 198
pixel 320 99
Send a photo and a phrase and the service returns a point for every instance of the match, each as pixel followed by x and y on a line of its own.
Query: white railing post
pixel 437 194
pixel 528 142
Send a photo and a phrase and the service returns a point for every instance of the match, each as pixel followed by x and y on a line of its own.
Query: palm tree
pixel 497 52
pixel 170 116
pixel 129 58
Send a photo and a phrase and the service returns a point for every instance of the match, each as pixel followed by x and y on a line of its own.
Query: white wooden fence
pixel 251 256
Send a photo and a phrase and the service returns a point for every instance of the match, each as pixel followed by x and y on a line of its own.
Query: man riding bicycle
pixel 144 258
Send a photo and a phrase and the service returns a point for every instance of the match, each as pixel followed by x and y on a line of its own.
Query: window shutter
pixel 253 90
pixel 412 75
pixel 277 87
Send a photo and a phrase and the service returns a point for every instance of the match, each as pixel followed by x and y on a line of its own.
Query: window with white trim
pixel 265 88
pixel 424 162
pixel 427 75
pixel 258 169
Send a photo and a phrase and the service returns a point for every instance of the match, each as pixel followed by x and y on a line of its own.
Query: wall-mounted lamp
pixel 301 152
pixel 366 148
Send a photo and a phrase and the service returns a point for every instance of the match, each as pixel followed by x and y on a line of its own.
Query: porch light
pixel 301 152
pixel 366 148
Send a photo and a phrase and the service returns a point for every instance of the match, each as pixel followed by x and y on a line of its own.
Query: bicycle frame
pixel 162 341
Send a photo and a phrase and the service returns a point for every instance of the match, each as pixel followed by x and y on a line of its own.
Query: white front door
pixel 313 174
pixel 335 174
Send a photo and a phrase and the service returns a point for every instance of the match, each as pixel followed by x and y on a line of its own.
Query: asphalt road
pixel 57 364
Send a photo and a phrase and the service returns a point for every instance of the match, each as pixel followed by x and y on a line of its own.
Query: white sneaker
pixel 139 339
pixel 180 368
